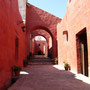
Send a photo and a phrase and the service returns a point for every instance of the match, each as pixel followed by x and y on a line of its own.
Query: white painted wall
pixel 22 9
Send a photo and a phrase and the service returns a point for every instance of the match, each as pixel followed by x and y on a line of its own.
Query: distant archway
pixel 51 51
pixel 39 19
pixel 40 27
pixel 40 46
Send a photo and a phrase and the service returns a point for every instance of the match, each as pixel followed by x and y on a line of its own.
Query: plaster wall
pixel 39 19
pixel 76 19
pixel 9 31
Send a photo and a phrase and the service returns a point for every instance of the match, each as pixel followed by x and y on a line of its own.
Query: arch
pixel 39 35
pixel 52 51
pixel 42 22
pixel 40 27
pixel 35 48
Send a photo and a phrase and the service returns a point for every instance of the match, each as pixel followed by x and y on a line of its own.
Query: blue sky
pixel 55 7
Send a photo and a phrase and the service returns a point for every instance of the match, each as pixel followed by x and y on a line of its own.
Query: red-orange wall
pixel 9 30
pixel 40 33
pixel 32 46
pixel 76 19
pixel 41 47
pixel 39 19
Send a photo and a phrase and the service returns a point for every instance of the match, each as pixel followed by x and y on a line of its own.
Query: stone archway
pixel 33 40
pixel 39 46
pixel 46 35
pixel 39 19
pixel 51 52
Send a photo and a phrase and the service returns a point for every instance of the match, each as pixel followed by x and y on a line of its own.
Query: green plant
pixel 16 68
pixel 30 53
pixel 25 62
pixel 66 64
pixel 28 57
pixel 49 55
pixel 55 59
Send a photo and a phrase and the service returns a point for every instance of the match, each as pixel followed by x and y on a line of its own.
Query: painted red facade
pixel 75 22
pixel 68 39
pixel 40 47
pixel 39 19
pixel 13 41
pixel 43 33
pixel 9 32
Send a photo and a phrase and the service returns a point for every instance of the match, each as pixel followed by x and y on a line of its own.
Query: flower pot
pixel 25 65
pixel 66 68
pixel 56 62
pixel 25 62
pixel 17 73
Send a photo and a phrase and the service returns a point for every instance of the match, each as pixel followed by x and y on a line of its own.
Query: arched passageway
pixel 49 41
pixel 39 46
pixel 39 19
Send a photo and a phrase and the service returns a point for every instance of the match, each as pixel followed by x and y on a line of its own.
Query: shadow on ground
pixel 48 77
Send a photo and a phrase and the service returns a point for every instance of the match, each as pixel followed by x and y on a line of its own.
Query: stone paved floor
pixel 47 77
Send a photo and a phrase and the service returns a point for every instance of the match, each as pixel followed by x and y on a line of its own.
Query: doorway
pixel 82 52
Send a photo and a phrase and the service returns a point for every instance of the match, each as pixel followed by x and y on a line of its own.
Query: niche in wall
pixel 65 33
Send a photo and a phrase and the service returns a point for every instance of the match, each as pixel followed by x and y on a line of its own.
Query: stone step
pixel 41 61
pixel 39 58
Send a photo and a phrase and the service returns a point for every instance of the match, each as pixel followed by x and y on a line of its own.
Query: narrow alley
pixel 40 50
pixel 42 75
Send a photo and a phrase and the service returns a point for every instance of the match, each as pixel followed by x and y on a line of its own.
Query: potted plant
pixel 66 66
pixel 17 70
pixel 30 54
pixel 56 60
pixel 25 62
pixel 28 57
pixel 50 55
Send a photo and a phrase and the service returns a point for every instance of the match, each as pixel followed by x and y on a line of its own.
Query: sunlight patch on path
pixel 24 73
pixel 58 67
pixel 82 78
pixel 77 76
